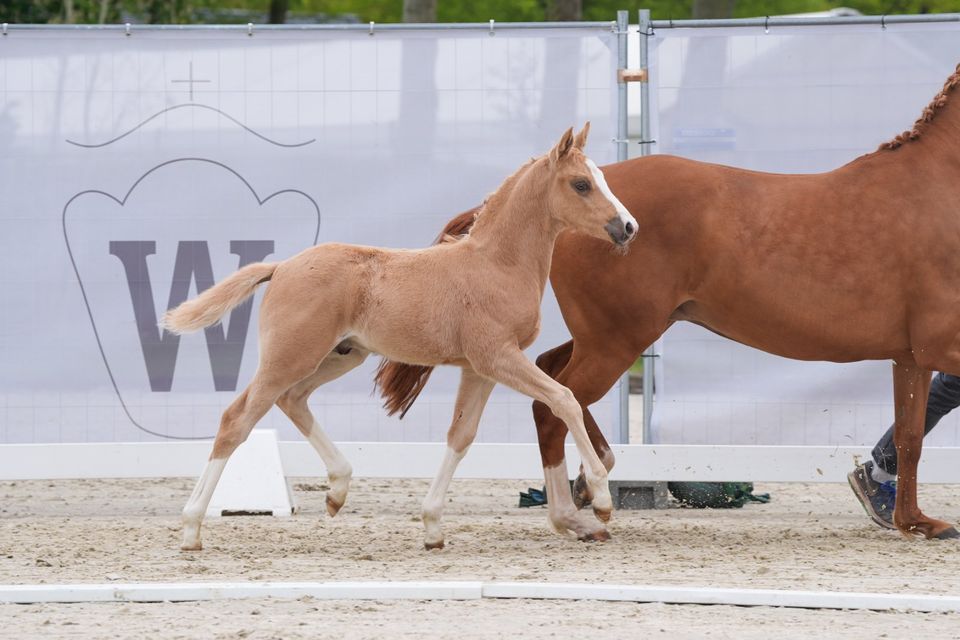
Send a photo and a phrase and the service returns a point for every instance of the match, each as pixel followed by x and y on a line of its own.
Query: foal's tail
pixel 400 383
pixel 214 303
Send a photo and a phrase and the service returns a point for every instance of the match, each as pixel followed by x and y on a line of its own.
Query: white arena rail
pixel 506 461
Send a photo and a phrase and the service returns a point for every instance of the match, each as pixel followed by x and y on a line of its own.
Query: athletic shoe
pixel 877 498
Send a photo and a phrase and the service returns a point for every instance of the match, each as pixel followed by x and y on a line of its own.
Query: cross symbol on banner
pixel 191 81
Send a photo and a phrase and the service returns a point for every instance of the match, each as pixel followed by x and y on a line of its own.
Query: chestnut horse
pixel 474 304
pixel 859 263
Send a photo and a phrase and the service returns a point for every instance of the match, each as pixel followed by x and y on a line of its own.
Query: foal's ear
pixel 563 147
pixel 580 140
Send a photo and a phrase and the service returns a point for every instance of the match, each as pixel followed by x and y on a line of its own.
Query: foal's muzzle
pixel 621 232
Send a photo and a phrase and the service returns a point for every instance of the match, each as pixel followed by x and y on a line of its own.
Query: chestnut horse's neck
pixel 514 225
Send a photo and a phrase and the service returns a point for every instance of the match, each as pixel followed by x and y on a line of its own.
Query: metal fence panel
pixel 785 99
pixel 134 167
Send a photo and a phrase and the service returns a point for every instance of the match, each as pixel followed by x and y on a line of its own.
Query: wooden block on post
pixel 631 75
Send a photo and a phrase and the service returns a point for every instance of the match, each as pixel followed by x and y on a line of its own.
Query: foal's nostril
pixel 629 228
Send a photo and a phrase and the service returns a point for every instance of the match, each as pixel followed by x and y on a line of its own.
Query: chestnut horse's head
pixel 580 197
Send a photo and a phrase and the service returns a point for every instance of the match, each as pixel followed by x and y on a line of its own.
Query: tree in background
pixel 28 11
pixel 60 11
pixel 708 9
pixel 420 11
pixel 200 11
pixel 681 9
pixel 164 11
pixel 278 11
pixel 564 10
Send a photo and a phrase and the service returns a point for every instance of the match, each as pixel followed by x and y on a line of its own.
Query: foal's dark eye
pixel 581 185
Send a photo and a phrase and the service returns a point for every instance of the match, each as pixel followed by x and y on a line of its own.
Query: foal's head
pixel 579 196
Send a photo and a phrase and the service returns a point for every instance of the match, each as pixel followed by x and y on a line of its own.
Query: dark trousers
pixel 944 398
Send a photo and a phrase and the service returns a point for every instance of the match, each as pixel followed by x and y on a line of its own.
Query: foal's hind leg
pixel 281 367
pixel 911 384
pixel 294 404
pixel 235 425
pixel 471 399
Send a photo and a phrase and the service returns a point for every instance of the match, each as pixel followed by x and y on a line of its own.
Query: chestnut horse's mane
pixel 928 114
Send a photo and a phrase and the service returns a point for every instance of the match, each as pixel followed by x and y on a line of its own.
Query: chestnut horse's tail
pixel 214 303
pixel 399 383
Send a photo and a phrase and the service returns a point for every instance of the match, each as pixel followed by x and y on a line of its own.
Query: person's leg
pixel 944 397
pixel 874 482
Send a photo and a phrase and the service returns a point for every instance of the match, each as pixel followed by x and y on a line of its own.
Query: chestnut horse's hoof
pixel 601 535
pixel 198 546
pixel 947 534
pixel 333 507
pixel 928 528
pixel 430 546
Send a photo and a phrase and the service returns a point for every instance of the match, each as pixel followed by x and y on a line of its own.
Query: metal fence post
pixel 645 143
pixel 623 26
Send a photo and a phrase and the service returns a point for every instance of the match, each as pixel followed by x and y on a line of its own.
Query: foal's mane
pixel 935 106
pixel 497 200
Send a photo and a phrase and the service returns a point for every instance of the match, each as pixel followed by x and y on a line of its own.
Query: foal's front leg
pixel 471 399
pixel 511 368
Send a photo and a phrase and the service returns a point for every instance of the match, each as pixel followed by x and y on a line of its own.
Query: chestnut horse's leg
pixel 294 404
pixel 552 363
pixel 511 368
pixel 911 384
pixel 589 374
pixel 471 399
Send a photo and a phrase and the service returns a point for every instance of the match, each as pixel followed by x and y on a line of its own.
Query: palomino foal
pixel 474 303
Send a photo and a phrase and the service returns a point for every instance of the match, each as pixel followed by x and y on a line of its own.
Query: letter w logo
pixel 192 263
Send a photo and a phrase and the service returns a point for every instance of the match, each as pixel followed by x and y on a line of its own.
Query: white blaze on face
pixel 622 212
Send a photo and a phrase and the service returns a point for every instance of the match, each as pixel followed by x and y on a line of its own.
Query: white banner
pixel 135 169
pixel 795 100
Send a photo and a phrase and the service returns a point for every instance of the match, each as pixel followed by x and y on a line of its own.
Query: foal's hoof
pixel 947 534
pixel 581 493
pixel 595 536
pixel 603 515
pixel 333 507
pixel 192 546
pixel 430 546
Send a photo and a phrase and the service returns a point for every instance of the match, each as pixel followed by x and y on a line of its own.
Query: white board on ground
pixel 735 597
pixel 422 590
pixel 189 592
pixel 253 480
